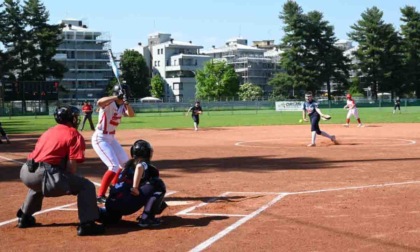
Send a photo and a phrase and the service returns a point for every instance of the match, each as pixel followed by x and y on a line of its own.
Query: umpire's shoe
pixel 90 228
pixel 24 220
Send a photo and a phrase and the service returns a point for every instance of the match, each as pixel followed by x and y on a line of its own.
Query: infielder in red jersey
pixel 352 110
pixel 112 109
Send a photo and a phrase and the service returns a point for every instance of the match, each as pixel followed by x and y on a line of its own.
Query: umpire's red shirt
pixel 58 142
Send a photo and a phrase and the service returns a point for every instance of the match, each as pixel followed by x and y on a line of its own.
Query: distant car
pixel 150 100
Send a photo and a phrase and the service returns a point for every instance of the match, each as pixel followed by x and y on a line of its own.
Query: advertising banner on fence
pixel 289 106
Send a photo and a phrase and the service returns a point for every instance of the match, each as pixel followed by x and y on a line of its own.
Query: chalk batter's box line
pixel 189 210
pixel 223 195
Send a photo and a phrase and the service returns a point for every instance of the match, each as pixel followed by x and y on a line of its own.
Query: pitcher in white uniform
pixel 112 109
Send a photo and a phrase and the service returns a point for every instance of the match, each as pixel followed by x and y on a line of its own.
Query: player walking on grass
pixel 196 111
pixel 112 109
pixel 310 107
pixel 352 110
pixel 138 186
pixel 50 171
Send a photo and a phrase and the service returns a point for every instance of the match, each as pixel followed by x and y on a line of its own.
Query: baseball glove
pixel 326 117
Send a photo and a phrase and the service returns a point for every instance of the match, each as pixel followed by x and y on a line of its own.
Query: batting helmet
pixel 125 88
pixel 348 96
pixel 143 149
pixel 66 115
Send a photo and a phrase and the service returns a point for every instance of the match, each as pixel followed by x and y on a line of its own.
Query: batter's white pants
pixel 109 151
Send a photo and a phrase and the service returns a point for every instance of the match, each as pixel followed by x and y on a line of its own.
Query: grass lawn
pixel 30 124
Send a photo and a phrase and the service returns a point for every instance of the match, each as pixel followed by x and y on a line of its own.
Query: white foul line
pixel 235 225
pixel 183 212
pixel 40 212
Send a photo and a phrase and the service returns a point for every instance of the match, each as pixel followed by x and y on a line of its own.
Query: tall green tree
pixel 43 42
pixel 250 92
pixel 410 30
pixel 293 60
pixel 135 72
pixel 157 86
pixel 324 59
pixel 283 86
pixel 14 37
pixel 378 51
pixel 217 80
pixel 310 57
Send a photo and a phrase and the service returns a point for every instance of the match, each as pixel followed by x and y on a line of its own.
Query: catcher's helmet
pixel 124 87
pixel 348 96
pixel 143 149
pixel 67 114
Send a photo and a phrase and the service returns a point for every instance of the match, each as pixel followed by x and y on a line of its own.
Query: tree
pixel 293 60
pixel 157 86
pixel 378 51
pixel 14 37
pixel 282 84
pixel 325 60
pixel 43 42
pixel 135 73
pixel 250 92
pixel 310 57
pixel 410 30
pixel 216 80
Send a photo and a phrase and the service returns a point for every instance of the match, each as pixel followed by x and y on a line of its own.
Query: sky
pixel 210 22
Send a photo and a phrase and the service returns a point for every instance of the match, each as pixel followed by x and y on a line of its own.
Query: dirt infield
pixel 246 189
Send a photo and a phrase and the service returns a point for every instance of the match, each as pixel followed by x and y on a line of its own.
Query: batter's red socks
pixel 115 180
pixel 106 181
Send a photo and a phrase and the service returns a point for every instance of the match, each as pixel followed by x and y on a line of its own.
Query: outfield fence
pixel 252 107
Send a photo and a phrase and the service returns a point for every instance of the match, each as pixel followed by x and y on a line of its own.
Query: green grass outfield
pixel 32 124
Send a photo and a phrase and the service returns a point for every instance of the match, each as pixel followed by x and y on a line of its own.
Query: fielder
pixel 311 107
pixel 138 185
pixel 3 135
pixel 397 103
pixel 352 110
pixel 196 110
pixel 112 108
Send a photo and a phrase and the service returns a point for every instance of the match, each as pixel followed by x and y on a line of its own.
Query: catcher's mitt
pixel 326 117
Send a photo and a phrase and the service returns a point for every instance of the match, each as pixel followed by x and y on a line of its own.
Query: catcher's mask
pixel 66 115
pixel 143 149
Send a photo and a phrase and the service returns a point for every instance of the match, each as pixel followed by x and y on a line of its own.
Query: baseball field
pixel 253 186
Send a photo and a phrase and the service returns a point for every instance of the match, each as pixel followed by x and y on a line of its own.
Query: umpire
pixel 50 172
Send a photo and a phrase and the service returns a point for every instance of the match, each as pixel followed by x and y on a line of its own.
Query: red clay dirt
pixel 277 194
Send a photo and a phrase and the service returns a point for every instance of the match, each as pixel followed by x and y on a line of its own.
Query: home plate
pixel 178 203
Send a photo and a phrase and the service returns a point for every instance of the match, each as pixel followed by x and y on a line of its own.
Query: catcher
pixel 196 110
pixel 138 186
pixel 310 106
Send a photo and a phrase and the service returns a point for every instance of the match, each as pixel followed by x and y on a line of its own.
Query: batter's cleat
pixel 25 221
pixel 90 228
pixel 149 222
pixel 101 199
pixel 346 125
pixel 311 145
pixel 360 125
pixel 333 139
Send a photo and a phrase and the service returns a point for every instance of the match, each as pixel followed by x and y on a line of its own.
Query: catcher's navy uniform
pixel 121 202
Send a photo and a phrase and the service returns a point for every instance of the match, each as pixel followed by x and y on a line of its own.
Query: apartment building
pixel 176 62
pixel 250 62
pixel 84 52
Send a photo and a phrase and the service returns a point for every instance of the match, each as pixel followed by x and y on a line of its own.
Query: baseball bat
pixel 114 67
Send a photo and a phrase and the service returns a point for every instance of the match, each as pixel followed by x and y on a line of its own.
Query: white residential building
pixel 253 64
pixel 176 62
pixel 84 52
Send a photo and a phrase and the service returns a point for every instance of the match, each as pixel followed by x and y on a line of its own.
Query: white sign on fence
pixel 289 106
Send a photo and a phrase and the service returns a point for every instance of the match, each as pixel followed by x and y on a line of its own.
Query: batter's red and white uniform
pixel 103 140
pixel 351 105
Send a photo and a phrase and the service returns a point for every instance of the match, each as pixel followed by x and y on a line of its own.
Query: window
pixel 178 86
